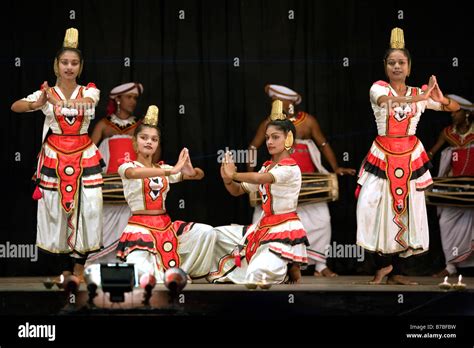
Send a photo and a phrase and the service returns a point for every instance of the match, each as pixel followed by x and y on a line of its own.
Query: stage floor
pixel 308 283
pixel 343 295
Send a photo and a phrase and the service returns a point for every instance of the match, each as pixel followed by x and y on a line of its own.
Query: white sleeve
pixel 376 91
pixel 433 105
pixel 123 168
pixel 173 178
pixel 283 174
pixel 93 93
pixel 34 97
pixel 248 188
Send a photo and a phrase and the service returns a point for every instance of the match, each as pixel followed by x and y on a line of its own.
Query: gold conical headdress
pixel 71 40
pixel 277 114
pixel 151 117
pixel 397 39
pixel 277 110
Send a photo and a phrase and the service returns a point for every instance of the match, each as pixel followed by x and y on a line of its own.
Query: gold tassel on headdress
pixel 277 110
pixel 397 39
pixel 71 40
pixel 151 117
pixel 277 114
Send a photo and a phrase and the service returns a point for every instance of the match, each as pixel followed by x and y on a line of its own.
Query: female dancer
pixel 264 252
pixel 151 240
pixel 69 168
pixel 391 209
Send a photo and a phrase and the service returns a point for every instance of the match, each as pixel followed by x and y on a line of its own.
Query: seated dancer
pixel 267 250
pixel 151 240
pixel 113 134
pixel 68 174
pixel 309 136
pixel 391 209
pixel 457 160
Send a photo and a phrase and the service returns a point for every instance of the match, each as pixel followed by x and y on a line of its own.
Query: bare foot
pixel 294 274
pixel 325 273
pixel 442 274
pixel 380 274
pixel 399 280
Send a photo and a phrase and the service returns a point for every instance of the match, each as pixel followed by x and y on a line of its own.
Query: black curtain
pixel 212 59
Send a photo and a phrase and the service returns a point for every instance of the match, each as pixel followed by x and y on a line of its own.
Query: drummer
pixel 114 134
pixel 456 223
pixel 309 143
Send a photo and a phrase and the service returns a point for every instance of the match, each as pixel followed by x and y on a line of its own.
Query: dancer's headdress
pixel 277 114
pixel 277 110
pixel 71 40
pixel 151 117
pixel 397 39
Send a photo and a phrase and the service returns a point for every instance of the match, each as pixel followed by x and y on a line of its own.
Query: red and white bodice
pixel 65 121
pixel 68 158
pixel 281 196
pixel 148 193
pixel 400 120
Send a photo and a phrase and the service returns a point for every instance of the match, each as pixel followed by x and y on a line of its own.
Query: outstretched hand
pixel 183 157
pixel 188 168
pixel 43 97
pixel 228 166
pixel 47 91
pixel 436 94
pixel 431 86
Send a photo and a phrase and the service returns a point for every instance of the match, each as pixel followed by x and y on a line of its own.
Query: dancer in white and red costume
pixel 274 246
pixel 151 240
pixel 69 165
pixel 306 152
pixel 113 134
pixel 457 160
pixel 391 209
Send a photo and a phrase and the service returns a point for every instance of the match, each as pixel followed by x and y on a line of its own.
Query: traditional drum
pixel 315 188
pixel 452 191
pixel 112 192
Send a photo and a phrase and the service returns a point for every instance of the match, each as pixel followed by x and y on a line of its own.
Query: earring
pixel 289 141
pixel 118 108
pixel 291 109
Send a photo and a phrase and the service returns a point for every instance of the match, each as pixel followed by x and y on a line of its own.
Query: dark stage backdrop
pixel 213 59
